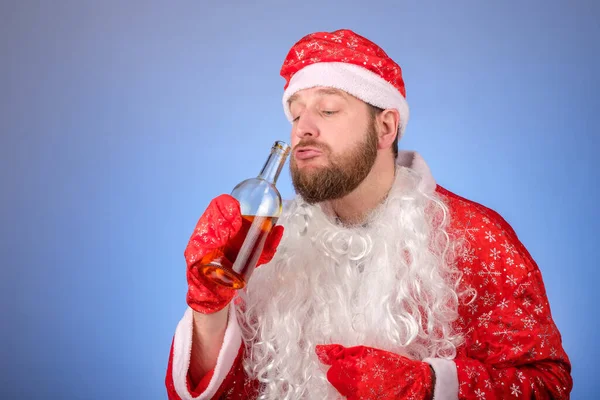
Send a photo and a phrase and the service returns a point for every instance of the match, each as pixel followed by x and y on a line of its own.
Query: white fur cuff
pixel 446 379
pixel 183 348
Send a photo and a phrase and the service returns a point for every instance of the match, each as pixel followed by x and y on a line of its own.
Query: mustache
pixel 312 143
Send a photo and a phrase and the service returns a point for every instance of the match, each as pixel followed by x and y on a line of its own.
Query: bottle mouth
pixel 282 146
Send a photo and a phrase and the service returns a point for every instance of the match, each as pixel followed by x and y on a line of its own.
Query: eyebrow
pixel 320 92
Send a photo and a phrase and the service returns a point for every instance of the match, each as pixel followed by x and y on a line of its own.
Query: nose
pixel 305 126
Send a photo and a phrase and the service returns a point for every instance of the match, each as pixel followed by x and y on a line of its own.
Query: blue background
pixel 121 120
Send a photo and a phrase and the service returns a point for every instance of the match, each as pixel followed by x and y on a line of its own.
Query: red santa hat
pixel 349 62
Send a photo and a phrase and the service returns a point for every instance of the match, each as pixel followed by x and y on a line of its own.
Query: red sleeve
pixel 196 388
pixel 512 347
pixel 236 385
pixel 170 385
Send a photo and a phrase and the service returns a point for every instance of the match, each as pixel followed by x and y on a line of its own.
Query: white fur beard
pixel 385 285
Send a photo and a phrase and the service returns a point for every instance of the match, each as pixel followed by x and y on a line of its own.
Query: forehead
pixel 317 92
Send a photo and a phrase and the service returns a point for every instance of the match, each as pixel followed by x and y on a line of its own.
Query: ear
pixel 387 124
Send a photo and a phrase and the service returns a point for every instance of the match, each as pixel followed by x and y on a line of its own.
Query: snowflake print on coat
pixel 512 348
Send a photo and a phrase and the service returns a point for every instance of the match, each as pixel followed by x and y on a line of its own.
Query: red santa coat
pixel 512 347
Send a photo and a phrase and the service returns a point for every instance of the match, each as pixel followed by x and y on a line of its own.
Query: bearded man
pixel 378 283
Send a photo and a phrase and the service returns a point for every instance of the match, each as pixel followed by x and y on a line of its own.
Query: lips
pixel 307 153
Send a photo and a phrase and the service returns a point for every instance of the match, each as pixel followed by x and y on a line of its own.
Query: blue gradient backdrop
pixel 121 120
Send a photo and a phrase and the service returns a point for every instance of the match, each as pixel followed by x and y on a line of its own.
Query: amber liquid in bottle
pixel 261 205
pixel 218 265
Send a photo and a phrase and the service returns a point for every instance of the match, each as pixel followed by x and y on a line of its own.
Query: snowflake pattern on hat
pixel 346 61
pixel 342 46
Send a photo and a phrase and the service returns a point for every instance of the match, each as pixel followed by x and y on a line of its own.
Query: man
pixel 384 285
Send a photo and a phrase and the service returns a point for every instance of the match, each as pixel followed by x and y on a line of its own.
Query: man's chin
pixel 307 173
pixel 311 165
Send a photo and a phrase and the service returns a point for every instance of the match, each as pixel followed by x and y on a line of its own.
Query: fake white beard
pixel 388 284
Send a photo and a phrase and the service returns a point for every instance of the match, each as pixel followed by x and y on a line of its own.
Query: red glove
pixel 220 222
pixel 367 373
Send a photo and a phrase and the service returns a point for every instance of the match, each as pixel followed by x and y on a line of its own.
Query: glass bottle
pixel 261 206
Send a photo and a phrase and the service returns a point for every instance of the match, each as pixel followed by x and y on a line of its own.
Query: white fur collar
pixel 414 161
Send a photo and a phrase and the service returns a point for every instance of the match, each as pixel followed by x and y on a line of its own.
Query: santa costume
pixel 433 296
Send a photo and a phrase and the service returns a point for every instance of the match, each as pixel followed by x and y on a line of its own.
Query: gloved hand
pixel 367 373
pixel 220 222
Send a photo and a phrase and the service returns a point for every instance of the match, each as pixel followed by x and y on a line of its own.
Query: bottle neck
pixel 272 168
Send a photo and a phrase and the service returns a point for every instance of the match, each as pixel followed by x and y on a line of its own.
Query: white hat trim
pixel 353 79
